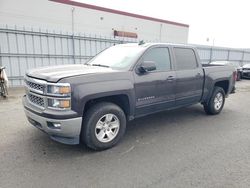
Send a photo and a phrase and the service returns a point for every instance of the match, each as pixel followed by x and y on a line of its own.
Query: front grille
pixel 39 101
pixel 35 86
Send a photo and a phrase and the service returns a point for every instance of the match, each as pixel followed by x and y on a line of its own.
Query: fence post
pixel 73 31
pixel 211 54
pixel 41 45
pixel 18 58
pixel 73 48
pixel 228 55
pixel 242 58
pixel 1 64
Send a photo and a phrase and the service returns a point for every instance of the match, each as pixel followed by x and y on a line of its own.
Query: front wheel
pixel 216 102
pixel 103 126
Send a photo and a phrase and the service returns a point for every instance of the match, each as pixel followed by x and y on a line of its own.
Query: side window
pixel 185 59
pixel 161 58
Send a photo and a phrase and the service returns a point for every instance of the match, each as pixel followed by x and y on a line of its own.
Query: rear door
pixel 189 76
pixel 154 90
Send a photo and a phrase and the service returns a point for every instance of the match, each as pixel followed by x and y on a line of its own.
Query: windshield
pixel 117 57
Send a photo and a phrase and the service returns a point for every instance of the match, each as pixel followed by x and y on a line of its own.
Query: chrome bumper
pixel 68 132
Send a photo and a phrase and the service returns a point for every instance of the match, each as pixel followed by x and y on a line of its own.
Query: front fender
pixel 90 91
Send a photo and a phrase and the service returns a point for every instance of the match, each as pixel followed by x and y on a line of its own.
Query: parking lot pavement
pixel 180 148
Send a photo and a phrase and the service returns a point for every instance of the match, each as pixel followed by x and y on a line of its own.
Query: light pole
pixel 213 42
pixel 73 31
pixel 72 20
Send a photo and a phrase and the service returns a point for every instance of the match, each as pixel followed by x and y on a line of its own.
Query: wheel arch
pixel 121 100
pixel 224 84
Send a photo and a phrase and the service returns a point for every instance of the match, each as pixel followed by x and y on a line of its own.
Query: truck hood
pixel 55 73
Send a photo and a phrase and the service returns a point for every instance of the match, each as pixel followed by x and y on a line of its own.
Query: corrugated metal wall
pixel 22 49
pixel 208 54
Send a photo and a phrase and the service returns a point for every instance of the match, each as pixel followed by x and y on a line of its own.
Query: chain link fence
pixel 25 48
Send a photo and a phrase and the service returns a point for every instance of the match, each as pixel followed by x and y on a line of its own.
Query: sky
pixel 211 22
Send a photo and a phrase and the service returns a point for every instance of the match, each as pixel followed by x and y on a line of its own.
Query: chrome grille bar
pixel 39 101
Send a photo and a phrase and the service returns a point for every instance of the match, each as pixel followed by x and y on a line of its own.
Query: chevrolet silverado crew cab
pixel 92 102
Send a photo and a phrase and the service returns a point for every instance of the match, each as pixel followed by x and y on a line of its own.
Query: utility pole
pixel 160 32
pixel 72 20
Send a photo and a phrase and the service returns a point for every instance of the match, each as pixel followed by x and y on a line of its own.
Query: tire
pixel 103 126
pixel 216 102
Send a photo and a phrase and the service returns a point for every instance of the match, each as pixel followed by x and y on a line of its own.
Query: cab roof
pixel 146 45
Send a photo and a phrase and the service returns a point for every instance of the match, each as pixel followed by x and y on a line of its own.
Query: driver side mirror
pixel 147 66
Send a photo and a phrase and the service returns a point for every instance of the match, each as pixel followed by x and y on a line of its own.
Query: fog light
pixel 54 125
pixel 57 125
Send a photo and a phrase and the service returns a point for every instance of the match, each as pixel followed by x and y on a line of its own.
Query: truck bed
pixel 215 73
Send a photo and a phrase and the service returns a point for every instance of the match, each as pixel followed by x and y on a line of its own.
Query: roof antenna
pixel 141 42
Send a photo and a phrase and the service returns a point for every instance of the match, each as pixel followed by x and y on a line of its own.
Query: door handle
pixel 170 78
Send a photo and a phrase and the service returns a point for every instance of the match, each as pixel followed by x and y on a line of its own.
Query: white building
pixel 67 15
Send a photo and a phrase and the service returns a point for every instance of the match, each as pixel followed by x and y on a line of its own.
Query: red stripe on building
pixel 84 5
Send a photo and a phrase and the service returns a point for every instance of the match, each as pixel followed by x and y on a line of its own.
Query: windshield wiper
pixel 100 65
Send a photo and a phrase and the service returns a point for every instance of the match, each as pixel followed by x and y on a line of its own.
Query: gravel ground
pixel 180 148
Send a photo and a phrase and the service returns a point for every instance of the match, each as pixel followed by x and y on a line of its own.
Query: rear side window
pixel 185 59
pixel 161 58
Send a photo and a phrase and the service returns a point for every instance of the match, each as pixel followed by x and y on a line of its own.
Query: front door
pixel 154 90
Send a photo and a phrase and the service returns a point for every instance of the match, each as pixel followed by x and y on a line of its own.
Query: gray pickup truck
pixel 92 102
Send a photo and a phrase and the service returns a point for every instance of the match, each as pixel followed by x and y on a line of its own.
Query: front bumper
pixel 69 131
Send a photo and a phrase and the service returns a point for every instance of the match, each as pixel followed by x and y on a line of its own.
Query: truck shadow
pixel 165 121
pixel 138 128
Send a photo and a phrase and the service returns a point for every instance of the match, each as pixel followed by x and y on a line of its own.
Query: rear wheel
pixel 216 102
pixel 103 126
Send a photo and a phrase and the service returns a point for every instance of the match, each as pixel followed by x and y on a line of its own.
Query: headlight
pixel 62 89
pixel 59 103
pixel 59 95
